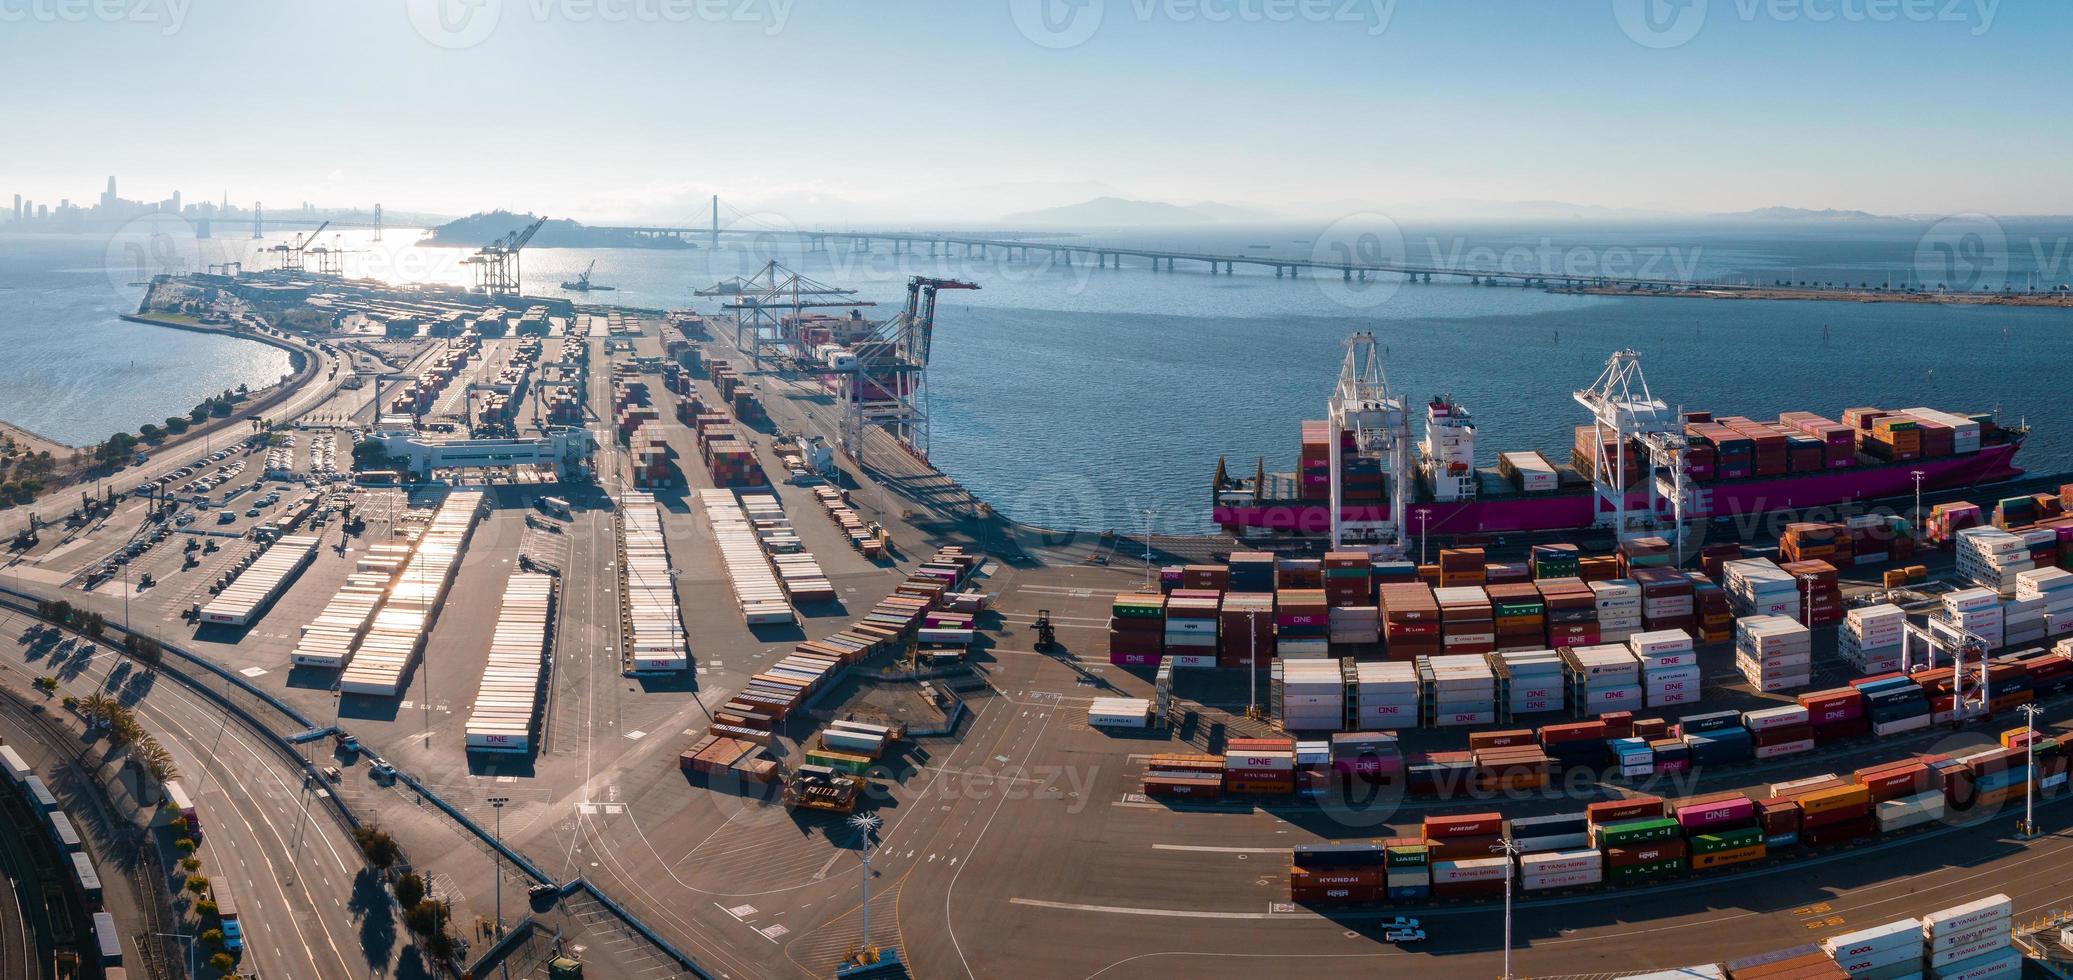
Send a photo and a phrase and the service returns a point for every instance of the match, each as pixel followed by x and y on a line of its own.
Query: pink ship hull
pixel 1573 511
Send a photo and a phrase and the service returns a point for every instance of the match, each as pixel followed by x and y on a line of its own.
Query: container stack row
pixel 394 640
pixel 329 640
pixel 248 598
pixel 757 592
pixel 507 701
pixel 1871 638
pixel 654 631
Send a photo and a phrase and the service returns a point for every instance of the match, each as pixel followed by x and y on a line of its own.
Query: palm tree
pixel 96 707
pixel 156 760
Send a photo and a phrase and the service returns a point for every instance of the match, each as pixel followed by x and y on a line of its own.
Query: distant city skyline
pixel 817 111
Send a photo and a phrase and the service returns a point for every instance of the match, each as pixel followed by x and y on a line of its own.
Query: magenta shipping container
pixel 1708 815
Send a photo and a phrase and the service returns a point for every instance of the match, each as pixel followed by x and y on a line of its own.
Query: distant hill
pixel 477 230
pixel 1112 211
pixel 1805 214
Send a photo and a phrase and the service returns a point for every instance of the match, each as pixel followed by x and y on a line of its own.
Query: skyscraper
pixel 17 209
pixel 108 197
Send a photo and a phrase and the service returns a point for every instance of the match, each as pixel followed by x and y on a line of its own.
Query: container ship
pixel 1732 466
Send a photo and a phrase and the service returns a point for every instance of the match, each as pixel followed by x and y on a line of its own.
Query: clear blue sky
pixel 834 109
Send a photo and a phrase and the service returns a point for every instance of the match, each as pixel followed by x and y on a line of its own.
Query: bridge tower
pixel 377 222
pixel 256 235
pixel 1367 428
pixel 1631 424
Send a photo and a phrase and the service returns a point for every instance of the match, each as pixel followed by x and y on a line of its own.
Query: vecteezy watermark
pixel 457 24
pixel 1060 24
pixel 1350 257
pixel 1961 254
pixel 170 15
pixel 1663 24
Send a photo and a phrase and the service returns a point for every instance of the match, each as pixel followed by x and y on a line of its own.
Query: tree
pixel 198 414
pixel 177 424
pixel 156 760
pixel 47 684
pixel 185 845
pixel 95 707
pixel 61 611
pixel 190 864
pixel 198 885
pixel 150 433
pixel 380 848
pixel 213 938
pixel 222 963
pixel 410 890
pixel 428 917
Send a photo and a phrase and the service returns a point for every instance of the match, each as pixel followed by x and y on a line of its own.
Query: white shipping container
pixel 1970 915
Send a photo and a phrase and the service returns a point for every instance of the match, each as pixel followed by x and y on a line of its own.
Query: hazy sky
pixel 831 110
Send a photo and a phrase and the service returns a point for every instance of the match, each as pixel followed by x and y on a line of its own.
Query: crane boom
pixel 307 242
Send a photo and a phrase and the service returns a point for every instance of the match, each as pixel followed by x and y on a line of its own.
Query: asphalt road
pixel 299 876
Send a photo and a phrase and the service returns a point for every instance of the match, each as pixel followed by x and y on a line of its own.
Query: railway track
pixel 130 849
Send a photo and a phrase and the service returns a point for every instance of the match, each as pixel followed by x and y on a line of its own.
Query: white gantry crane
pixel 1629 420
pixel 1380 429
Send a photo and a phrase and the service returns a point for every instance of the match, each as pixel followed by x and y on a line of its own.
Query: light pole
pixel 498 802
pixel 1252 666
pixel 190 947
pixel 1149 514
pixel 1423 513
pixel 1917 474
pixel 1510 849
pixel 865 825
pixel 2029 826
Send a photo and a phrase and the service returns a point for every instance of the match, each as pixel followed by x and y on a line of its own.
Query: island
pixel 477 230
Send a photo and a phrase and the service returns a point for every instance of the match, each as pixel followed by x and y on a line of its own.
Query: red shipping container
pixel 1663 850
pixel 1617 811
pixel 1837 833
pixel 1332 896
pixel 1841 814
pixel 1463 825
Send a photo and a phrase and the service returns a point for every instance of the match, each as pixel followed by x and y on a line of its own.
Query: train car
pixel 109 939
pixel 62 831
pixel 40 796
pixel 17 770
pixel 88 880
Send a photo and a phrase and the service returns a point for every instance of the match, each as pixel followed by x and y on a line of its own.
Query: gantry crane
pixel 1631 421
pixel 1366 420
pixel 888 385
pixel 288 256
pixel 760 298
pixel 331 259
pixel 496 264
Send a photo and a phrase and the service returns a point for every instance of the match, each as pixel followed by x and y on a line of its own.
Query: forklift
pixel 1047 635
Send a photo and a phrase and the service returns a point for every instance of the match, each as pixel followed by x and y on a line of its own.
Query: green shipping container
pixel 856 765
pixel 1637 831
pixel 1726 840
pixel 1642 872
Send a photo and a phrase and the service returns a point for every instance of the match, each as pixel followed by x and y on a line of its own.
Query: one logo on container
pixel 454 24
pixel 1057 24
pixel 1660 24
pixel 1962 253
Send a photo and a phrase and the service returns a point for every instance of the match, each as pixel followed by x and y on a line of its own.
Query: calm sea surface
pixel 1080 397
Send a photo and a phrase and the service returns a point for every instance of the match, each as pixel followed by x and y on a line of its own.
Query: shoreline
pixel 2034 300
pixel 33 441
